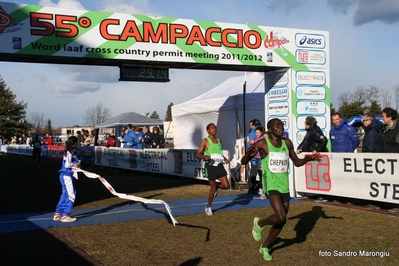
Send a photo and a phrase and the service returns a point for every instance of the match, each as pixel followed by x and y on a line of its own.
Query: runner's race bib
pixel 278 162
pixel 216 159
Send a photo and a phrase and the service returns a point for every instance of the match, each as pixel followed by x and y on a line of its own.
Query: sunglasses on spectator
pixel 365 120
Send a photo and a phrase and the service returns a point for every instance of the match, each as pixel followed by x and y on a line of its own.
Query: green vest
pixel 214 150
pixel 275 168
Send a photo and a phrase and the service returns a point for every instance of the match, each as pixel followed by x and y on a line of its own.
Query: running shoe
pixel 208 211
pixel 265 253
pixel 57 218
pixel 257 230
pixel 68 219
pixel 263 196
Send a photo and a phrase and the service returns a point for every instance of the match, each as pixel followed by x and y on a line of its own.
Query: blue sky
pixel 364 41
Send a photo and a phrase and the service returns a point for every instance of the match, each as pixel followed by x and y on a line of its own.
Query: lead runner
pixel 275 151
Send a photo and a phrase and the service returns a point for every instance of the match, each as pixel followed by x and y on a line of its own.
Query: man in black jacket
pixel 314 140
pixel 372 140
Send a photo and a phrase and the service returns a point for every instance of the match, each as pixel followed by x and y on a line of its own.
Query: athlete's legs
pixel 278 219
pixel 212 190
pixel 224 183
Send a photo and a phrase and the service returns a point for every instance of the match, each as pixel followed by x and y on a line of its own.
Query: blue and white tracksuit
pixel 67 199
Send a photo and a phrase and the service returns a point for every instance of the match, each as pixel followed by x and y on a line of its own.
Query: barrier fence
pixel 368 176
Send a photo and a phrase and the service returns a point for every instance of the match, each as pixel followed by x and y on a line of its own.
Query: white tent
pixel 222 105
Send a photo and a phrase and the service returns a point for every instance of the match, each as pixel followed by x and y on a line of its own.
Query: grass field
pixel 315 234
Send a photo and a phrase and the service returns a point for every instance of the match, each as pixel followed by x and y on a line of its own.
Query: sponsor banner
pixel 85 154
pixel 310 78
pixel 278 94
pixel 3 148
pixel 311 108
pixel 368 176
pixel 310 93
pixel 146 160
pixel 56 152
pixel 194 168
pixel 309 40
pixel 56 32
pixel 165 161
pixel 276 109
pixel 286 122
pixel 20 149
pixel 310 57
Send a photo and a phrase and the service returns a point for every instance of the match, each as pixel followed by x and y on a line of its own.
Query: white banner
pixel 162 161
pixel 369 176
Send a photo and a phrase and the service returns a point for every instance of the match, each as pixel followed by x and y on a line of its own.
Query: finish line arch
pixel 295 62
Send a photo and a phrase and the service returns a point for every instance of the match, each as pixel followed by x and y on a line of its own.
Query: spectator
pixel 137 138
pixel 48 140
pixel 80 138
pixel 158 140
pixel 253 124
pixel 109 140
pixel 390 140
pixel 372 140
pixel 89 141
pixel 343 137
pixel 28 140
pixel 22 140
pixel 253 169
pixel 256 167
pixel 314 140
pixel 84 135
pixel 147 138
pixel 37 148
pixel 391 131
pixel 126 138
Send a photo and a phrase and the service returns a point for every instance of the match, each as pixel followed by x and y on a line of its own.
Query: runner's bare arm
pixel 258 146
pixel 203 147
pixel 297 161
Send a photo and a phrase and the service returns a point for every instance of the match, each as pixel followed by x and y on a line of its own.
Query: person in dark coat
pixel 372 140
pixel 158 141
pixel 314 140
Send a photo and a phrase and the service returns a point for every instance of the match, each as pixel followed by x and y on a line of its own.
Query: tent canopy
pixel 223 106
pixel 129 118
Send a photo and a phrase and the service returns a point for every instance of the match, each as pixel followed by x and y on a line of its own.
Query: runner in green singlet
pixel 210 150
pixel 275 151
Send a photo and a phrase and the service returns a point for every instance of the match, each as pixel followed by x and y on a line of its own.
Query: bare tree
pixel 344 98
pixel 386 98
pixel 359 95
pixel 372 94
pixel 37 121
pixel 96 114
